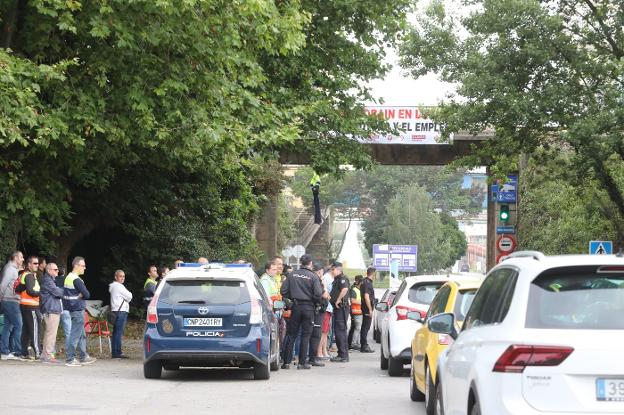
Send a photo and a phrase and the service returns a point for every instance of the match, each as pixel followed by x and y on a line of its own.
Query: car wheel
pixel 153 369
pixel 275 364
pixel 261 371
pixel 476 409
pixel 415 394
pixel 383 362
pixel 170 366
pixel 429 392
pixel 439 404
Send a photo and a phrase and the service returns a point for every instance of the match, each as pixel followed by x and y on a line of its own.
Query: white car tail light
pixel 152 315
pixel 256 312
pixel 519 356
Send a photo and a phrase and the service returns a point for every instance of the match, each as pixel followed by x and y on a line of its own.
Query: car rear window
pixel 204 292
pixel 576 299
pixel 462 303
pixel 423 293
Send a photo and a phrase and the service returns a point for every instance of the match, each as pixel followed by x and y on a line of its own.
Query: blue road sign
pixel 507 191
pixel 405 255
pixel 501 230
pixel 600 248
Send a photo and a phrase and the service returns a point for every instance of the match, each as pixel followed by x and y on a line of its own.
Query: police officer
pixel 303 288
pixel 149 287
pixel 368 302
pixel 340 301
pixel 319 314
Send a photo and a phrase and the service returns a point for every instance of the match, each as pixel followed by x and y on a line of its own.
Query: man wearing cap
pixel 340 301
pixel 303 288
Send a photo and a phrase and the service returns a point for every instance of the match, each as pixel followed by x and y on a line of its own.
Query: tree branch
pixel 605 30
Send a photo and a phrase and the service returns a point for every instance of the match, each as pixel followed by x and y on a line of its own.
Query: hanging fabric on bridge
pixel 315 184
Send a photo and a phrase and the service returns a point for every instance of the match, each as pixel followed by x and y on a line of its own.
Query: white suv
pixel 397 331
pixel 543 335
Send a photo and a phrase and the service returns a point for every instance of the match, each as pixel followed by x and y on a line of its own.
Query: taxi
pixel 453 297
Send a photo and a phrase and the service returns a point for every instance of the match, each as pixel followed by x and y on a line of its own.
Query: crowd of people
pixel 320 303
pixel 322 308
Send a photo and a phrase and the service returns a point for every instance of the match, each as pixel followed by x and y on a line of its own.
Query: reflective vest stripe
pixel 25 298
pixel 356 303
pixel 147 282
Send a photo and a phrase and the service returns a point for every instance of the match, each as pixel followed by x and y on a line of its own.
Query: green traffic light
pixel 503 215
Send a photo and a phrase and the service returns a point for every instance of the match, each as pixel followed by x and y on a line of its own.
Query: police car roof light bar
pixel 189 265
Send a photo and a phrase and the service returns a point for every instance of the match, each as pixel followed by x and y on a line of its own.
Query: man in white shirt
pixel 119 301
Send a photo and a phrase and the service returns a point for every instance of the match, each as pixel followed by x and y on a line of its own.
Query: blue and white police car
pixel 214 315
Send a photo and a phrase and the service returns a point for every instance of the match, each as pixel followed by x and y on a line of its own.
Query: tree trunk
pixel 81 227
pixel 10 24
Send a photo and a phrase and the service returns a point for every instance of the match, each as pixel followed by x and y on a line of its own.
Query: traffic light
pixel 503 214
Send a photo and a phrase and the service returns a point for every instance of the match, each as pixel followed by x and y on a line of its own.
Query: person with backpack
pixel 10 308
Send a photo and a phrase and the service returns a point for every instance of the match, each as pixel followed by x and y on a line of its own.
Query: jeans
pixel 12 328
pixel 354 332
pixel 66 325
pixel 118 330
pixel 77 336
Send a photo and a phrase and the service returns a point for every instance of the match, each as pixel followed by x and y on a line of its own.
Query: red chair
pixel 94 327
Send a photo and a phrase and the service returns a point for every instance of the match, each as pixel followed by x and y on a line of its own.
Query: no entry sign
pixel 506 244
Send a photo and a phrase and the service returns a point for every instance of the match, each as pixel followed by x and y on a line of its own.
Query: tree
pixel 411 220
pixel 116 111
pixel 541 75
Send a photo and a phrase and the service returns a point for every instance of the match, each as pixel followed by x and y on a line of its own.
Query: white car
pixel 397 331
pixel 544 335
pixel 387 298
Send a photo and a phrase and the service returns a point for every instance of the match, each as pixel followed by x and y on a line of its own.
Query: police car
pixel 214 315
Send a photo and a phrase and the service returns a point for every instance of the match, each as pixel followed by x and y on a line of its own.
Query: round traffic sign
pixel 506 244
pixel 501 257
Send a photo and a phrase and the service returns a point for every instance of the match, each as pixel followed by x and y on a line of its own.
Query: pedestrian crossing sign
pixel 600 248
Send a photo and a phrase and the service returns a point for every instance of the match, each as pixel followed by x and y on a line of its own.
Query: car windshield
pixel 576 299
pixel 209 292
pixel 423 293
pixel 462 303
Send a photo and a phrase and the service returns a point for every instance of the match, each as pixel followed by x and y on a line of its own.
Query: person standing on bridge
pixel 303 288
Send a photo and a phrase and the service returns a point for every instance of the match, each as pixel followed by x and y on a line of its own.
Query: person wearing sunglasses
pixel 29 290
pixel 51 306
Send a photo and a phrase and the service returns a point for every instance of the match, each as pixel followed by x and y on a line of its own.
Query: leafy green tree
pixel 540 75
pixel 411 220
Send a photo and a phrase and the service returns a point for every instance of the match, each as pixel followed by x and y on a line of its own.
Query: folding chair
pixel 95 327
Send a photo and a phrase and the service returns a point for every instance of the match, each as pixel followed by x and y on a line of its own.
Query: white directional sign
pixel 298 251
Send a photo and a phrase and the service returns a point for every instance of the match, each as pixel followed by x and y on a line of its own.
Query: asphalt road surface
pixel 118 387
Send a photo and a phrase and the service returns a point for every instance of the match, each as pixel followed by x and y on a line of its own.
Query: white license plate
pixel 202 322
pixel 611 390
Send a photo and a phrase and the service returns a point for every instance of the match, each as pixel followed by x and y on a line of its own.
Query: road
pixel 118 387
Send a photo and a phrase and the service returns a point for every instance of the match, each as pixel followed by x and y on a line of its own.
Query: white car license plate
pixel 202 322
pixel 610 389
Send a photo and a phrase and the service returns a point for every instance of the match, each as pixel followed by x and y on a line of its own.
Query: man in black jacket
pixel 303 288
pixel 340 301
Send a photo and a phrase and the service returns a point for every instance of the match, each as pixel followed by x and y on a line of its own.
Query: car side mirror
pixel 443 324
pixel 415 315
pixel 278 305
pixel 383 307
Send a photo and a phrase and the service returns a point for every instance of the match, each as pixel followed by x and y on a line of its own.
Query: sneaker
pixel 27 359
pixel 73 363
pixel 52 361
pixel 315 363
pixel 366 350
pixel 9 356
pixel 339 359
pixel 88 360
pixel 285 366
pixel 121 356
pixel 304 366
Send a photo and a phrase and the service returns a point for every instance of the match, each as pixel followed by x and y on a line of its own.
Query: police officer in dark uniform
pixel 339 298
pixel 368 302
pixel 303 288
pixel 319 314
